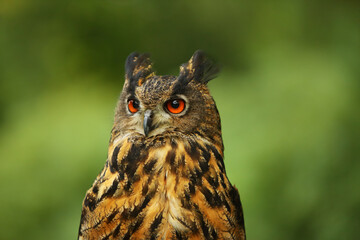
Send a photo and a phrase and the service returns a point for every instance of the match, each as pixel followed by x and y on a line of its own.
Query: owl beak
pixel 147 122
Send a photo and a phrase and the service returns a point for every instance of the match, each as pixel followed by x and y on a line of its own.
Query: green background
pixel 288 95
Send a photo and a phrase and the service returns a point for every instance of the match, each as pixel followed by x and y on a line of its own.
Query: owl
pixel 164 177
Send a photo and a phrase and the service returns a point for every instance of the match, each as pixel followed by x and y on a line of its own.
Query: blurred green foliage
pixel 288 96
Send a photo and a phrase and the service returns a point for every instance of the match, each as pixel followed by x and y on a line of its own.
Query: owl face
pixel 152 105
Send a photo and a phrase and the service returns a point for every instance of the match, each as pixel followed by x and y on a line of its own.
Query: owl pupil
pixel 175 104
pixel 135 104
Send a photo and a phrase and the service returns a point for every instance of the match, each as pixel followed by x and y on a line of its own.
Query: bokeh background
pixel 288 96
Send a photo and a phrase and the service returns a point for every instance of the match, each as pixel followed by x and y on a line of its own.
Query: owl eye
pixel 133 105
pixel 175 106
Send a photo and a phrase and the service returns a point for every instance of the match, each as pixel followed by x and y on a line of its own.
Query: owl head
pixel 153 106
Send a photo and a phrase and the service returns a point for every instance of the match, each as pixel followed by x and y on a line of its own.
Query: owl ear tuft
pixel 138 68
pixel 199 68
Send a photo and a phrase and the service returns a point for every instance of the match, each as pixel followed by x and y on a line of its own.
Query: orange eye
pixel 175 106
pixel 133 106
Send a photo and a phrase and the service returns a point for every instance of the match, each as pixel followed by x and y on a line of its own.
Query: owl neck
pixel 130 153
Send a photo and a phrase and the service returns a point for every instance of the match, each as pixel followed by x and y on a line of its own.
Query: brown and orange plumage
pixel 165 176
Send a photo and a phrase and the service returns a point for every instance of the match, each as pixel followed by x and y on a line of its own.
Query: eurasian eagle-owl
pixel 164 177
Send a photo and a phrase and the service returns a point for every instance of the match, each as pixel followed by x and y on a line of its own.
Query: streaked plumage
pixel 165 176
